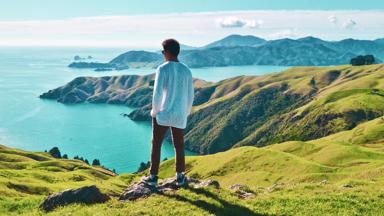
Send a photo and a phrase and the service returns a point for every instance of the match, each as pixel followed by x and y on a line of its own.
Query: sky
pixel 145 23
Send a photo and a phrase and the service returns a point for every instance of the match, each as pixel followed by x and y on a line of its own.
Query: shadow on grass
pixel 227 208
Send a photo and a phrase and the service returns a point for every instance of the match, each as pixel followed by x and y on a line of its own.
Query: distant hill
pixel 237 40
pixel 138 59
pixel 380 41
pixel 187 47
pixel 250 50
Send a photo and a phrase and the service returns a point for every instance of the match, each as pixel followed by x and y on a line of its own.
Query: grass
pixel 340 173
pixel 285 177
pixel 301 103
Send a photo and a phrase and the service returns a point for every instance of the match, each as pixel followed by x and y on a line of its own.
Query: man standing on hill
pixel 173 95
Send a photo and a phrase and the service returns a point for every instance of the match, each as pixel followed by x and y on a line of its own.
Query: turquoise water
pixel 88 130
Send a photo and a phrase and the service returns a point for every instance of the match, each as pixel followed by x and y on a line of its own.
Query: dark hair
pixel 171 46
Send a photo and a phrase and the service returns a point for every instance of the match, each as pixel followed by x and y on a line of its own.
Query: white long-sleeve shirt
pixel 173 94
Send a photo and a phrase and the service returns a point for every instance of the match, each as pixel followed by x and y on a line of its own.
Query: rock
pixel 237 187
pixel 142 190
pixel 138 190
pixel 91 65
pixel 141 114
pixel 103 69
pixel 275 187
pixel 324 182
pixel 208 183
pixel 77 58
pixel 87 195
pixel 347 186
pixel 168 184
pixel 242 191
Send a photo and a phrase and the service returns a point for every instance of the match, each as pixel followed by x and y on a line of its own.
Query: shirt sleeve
pixel 157 92
pixel 191 95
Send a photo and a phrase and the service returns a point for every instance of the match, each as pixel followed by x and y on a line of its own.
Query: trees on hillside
pixel 363 60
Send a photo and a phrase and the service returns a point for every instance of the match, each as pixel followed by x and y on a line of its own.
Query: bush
pixel 143 166
pixel 96 162
pixel 55 152
pixel 362 60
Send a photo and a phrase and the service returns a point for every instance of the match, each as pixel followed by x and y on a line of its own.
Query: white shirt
pixel 173 94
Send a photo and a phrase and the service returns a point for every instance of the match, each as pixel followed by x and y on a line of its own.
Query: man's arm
pixel 191 95
pixel 157 93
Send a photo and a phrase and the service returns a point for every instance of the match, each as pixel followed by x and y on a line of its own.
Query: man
pixel 173 95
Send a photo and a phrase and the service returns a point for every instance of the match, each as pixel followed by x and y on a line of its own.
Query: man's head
pixel 171 49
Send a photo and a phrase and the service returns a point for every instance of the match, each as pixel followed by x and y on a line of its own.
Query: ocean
pixel 87 130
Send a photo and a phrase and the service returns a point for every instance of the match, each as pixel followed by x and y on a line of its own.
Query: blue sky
pixel 196 22
pixel 54 9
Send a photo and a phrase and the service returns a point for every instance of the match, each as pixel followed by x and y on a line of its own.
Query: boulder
pixel 86 195
pixel 347 186
pixel 138 190
pixel 142 190
pixel 275 187
pixel 242 191
pixel 208 183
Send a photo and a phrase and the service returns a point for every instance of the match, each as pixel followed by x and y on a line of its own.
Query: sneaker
pixel 150 180
pixel 181 180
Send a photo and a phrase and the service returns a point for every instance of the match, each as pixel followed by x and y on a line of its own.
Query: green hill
pixel 340 174
pixel 306 141
pixel 301 103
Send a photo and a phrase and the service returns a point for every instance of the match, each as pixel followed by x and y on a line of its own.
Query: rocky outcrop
pixel 130 90
pixel 91 65
pixel 86 195
pixel 142 190
pixel 141 114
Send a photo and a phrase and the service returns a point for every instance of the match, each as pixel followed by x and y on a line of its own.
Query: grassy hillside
pixel 340 174
pixel 302 103
pixel 27 177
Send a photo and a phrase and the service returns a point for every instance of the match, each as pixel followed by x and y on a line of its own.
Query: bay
pixel 88 130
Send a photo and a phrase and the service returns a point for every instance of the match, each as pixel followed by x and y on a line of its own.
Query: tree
pixel 369 59
pixel 96 162
pixel 86 161
pixel 143 166
pixel 55 152
pixel 65 156
pixel 363 60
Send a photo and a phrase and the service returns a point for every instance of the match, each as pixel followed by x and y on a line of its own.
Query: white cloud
pixel 231 22
pixel 333 19
pixel 349 24
pixel 236 22
pixel 254 23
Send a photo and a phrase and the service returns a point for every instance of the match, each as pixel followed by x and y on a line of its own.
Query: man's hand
pixel 153 114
